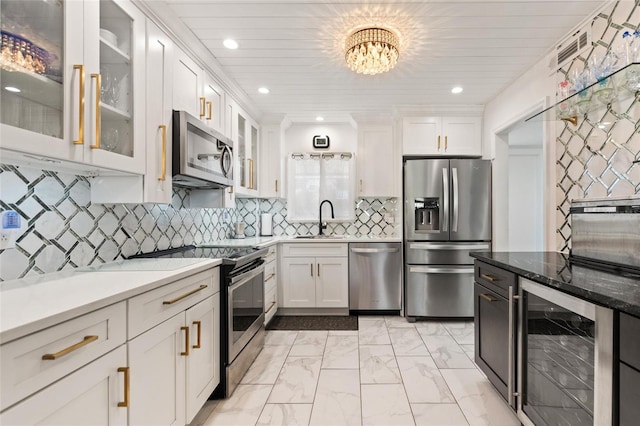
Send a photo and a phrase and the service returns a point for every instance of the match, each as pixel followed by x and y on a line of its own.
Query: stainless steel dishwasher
pixel 375 276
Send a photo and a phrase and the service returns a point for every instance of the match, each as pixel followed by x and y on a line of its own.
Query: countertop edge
pixel 45 322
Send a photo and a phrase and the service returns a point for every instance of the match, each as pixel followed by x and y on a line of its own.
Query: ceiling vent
pixel 571 47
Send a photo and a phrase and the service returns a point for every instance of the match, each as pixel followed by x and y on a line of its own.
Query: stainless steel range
pixel 242 317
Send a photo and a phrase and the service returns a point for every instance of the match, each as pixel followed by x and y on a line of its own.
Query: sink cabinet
pixel 315 276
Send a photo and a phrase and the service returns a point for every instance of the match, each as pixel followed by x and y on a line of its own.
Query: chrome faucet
pixel 322 226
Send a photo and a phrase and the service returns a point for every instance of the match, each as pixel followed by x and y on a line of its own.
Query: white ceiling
pixel 294 47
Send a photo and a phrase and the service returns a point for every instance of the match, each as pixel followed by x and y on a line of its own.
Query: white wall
pixel 525 198
pixel 343 137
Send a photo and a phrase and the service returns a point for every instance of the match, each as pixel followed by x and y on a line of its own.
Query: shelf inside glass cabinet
pixel 617 87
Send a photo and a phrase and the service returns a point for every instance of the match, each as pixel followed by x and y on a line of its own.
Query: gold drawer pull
pixel 311 268
pixel 318 269
pixel 199 325
pixel 179 298
pixel 489 277
pixel 125 370
pixel 446 143
pixel 487 297
pixel 438 142
pixel 186 341
pixel 270 307
pixel 80 140
pixel 269 277
pixel 65 351
pixel 276 185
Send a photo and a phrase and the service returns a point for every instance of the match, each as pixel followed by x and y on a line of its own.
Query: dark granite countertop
pixel 619 291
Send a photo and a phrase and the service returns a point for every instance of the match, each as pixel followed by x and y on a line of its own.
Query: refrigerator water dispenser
pixel 427 214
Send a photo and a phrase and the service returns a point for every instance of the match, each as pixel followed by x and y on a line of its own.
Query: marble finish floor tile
pixel 438 415
pixel 279 338
pixel 341 352
pixel 423 381
pixel 297 381
pixel 478 400
pixel 469 350
pixel 337 399
pixel 267 366
pixel 373 332
pixel 343 332
pixel 385 405
pixel 461 331
pixel 242 408
pixel 398 322
pixel 447 353
pixel 309 343
pixel 431 328
pixel 204 413
pixel 285 414
pixel 407 341
pixel 378 364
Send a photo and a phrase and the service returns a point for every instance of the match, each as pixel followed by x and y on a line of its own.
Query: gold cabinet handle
pixel 231 190
pixel 163 174
pixel 179 298
pixel 438 142
pixel 276 185
pixel 269 277
pixel 210 105
pixel 311 268
pixel 80 140
pixel 66 351
pixel 186 340
pixel 318 269
pixel 98 78
pixel 125 370
pixel 270 307
pixel 446 142
pixel 360 185
pixel 487 297
pixel 489 277
pixel 199 325
pixel 202 106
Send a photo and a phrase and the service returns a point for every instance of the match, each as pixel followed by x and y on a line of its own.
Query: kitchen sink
pixel 319 237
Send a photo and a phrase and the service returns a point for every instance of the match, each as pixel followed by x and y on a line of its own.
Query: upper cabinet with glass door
pixel 72 71
pixel 247 155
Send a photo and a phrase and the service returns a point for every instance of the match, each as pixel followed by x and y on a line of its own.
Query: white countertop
pixel 30 304
pixel 267 241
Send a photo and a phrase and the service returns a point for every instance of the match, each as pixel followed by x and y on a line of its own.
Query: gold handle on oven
pixel 210 105
pixel 80 140
pixel 125 370
pixel 438 142
pixel 186 341
pixel 488 298
pixel 163 129
pixel 202 106
pixel 98 78
pixel 199 325
pixel 179 298
pixel 66 351
pixel 446 142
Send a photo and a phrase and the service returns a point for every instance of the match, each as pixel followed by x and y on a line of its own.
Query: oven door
pixel 565 359
pixel 245 309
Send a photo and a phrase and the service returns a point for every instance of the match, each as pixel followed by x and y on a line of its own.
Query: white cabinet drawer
pixel 269 270
pixel 270 305
pixel 153 307
pixel 270 283
pixel 37 360
pixel 315 250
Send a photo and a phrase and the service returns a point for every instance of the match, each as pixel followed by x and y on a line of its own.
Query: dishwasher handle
pixel 373 250
pixel 441 246
pixel 440 270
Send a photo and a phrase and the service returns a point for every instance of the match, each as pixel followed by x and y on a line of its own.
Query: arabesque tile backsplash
pixel 65 230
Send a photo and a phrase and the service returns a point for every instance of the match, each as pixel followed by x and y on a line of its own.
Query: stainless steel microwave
pixel 202 157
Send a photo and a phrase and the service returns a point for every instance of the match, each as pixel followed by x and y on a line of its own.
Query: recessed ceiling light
pixel 318 118
pixel 12 89
pixel 456 90
pixel 230 44
pixel 263 90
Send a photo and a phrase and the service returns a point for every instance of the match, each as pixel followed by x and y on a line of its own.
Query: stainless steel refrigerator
pixel 447 214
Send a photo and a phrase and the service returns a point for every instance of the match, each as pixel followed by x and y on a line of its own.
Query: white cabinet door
pixel 203 362
pixel 422 136
pixel 332 282
pixel 187 85
pixel 214 104
pixel 298 282
pixel 462 135
pixel 158 374
pixel 376 162
pixel 271 162
pixel 159 80
pixel 89 396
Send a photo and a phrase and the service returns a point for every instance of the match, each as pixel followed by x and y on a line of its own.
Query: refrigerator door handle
pixel 433 270
pixel 454 203
pixel 445 195
pixel 440 246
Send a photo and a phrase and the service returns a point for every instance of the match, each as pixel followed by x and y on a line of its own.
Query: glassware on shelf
pixel 110 139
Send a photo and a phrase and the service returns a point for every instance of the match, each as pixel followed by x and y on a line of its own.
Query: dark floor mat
pixel 325 322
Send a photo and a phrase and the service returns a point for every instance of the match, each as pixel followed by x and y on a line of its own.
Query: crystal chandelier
pixel 371 51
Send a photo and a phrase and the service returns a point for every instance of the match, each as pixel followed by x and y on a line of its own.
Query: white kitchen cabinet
pixel 95 116
pixel 376 165
pixel 188 80
pixel 442 136
pixel 271 284
pixel 214 99
pixel 93 395
pixel 271 161
pixel 244 133
pixel 315 276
